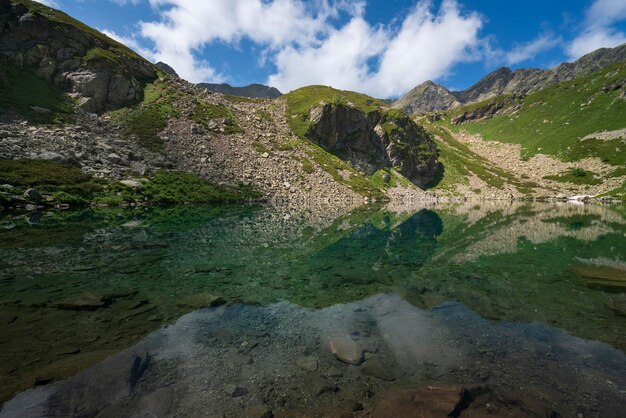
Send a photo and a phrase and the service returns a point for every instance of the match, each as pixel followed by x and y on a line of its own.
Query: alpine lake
pixel 459 309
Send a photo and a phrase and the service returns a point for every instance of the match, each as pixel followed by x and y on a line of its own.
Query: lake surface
pixel 460 309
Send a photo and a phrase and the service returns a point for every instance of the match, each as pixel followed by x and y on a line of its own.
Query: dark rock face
pixel 375 140
pixel 434 97
pixel 98 72
pixel 509 105
pixel 166 68
pixel 253 91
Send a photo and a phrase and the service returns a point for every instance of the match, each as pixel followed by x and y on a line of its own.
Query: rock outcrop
pixel 253 91
pixel 96 71
pixel 375 140
pixel 492 108
pixel 431 97
pixel 166 68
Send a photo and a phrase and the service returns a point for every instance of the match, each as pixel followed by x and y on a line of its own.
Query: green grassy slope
pixel 551 121
pixel 63 184
pixel 457 162
pixel 554 120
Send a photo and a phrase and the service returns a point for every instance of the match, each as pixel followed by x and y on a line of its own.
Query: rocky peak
pixel 98 72
pixel 427 97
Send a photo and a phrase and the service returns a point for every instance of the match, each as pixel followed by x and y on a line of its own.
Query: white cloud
pixel 599 31
pixel 187 26
pixel 529 50
pixel 307 45
pixel 427 47
pixel 131 42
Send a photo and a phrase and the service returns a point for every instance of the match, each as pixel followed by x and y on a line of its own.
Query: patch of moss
pixel 204 112
pixel 575 176
pixel 395 179
pixel 260 148
pixel 69 185
pixel 27 173
pixel 100 54
pixel 172 187
pixel 264 115
pixel 150 117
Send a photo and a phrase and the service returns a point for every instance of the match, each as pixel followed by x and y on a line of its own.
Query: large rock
pixel 200 300
pixel 83 302
pixel 346 350
pixel 33 194
pixel 375 140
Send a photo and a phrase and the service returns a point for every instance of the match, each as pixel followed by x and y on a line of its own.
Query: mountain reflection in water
pixel 417 289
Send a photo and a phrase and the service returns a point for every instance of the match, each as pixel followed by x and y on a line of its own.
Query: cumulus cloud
pixel 187 26
pixel 529 50
pixel 305 44
pixel 427 46
pixel 599 30
pixel 131 42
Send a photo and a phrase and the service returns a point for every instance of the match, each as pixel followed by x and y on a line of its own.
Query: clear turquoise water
pixel 453 294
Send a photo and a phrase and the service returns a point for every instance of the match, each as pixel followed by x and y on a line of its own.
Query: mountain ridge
pixel 432 97
pixel 252 91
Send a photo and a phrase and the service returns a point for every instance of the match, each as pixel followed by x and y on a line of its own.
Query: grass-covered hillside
pixel 60 18
pixel 570 121
pixel 555 120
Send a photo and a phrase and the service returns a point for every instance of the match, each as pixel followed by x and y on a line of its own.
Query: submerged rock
pixel 618 305
pixel 346 350
pixel 373 367
pixel 234 390
pixel 200 300
pixel 602 276
pixel 307 363
pixel 83 302
pixel 257 411
pixel 33 194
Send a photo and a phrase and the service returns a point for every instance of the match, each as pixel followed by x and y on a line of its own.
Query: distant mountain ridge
pixel 432 97
pixel 253 91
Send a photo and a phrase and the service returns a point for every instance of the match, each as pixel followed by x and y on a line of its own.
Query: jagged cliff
pixel 363 131
pixel 375 140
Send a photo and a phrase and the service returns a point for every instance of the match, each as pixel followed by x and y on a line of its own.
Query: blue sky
pixel 379 47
